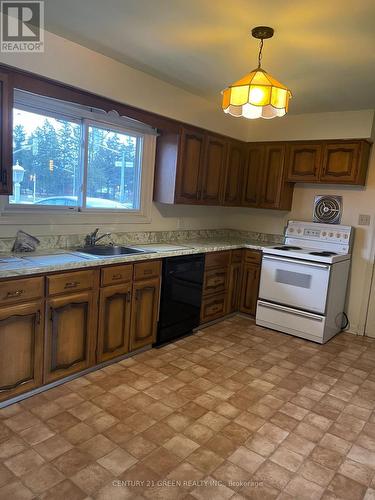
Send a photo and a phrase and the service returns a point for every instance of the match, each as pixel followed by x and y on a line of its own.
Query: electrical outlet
pixel 364 220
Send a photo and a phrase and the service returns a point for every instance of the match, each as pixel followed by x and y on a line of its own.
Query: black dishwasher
pixel 181 296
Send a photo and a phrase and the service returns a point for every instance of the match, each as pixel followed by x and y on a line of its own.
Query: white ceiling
pixel 324 50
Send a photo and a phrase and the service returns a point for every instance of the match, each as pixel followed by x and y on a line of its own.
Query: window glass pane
pixel 113 169
pixel 46 160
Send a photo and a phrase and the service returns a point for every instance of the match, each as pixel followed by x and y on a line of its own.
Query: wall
pixel 357 200
pixel 73 64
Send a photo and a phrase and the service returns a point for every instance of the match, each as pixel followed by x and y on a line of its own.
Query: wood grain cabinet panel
pixel 234 287
pixel 213 307
pixel 28 289
pixel 273 185
pixel 70 334
pixel 21 348
pixel 233 174
pixel 213 171
pixel 189 168
pixel 304 162
pixel 144 314
pixel 114 322
pixel 215 281
pixel 341 163
pixel 250 287
pixel 253 175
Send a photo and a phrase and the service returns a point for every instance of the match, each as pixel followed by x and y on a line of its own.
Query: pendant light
pixel 258 94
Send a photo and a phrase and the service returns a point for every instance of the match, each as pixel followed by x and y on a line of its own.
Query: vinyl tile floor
pixel 235 411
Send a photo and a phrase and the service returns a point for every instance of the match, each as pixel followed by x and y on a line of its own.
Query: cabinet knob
pixel 16 293
pixel 116 276
pixel 71 284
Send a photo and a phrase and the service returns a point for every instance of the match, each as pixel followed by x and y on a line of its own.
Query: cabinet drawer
pixel 215 281
pixel 116 274
pixel 254 256
pixel 21 290
pixel 236 256
pixel 70 282
pixel 217 259
pixel 213 307
pixel 148 269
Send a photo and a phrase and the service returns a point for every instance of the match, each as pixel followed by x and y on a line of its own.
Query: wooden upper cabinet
pixel 213 170
pixel 253 175
pixel 6 133
pixel 233 174
pixel 304 162
pixel 189 168
pixel 276 193
pixel 144 314
pixel 345 162
pixel 70 334
pixel 21 348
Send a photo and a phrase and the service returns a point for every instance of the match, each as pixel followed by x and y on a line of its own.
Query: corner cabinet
pixel 329 162
pixel 6 131
pixel 265 184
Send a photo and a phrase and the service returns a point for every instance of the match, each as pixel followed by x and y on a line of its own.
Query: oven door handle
pixel 291 311
pixel 296 261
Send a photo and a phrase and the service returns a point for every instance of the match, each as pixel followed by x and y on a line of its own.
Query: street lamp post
pixel 18 173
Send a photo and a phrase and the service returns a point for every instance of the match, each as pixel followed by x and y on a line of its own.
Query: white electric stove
pixel 304 281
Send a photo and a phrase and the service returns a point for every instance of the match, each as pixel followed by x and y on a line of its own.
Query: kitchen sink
pixel 109 250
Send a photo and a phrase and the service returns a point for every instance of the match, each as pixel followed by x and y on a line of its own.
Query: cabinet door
pixel 340 163
pixel 253 175
pixel 304 162
pixel 70 334
pixel 273 176
pixel 114 322
pixel 250 287
pixel 233 174
pixel 21 348
pixel 144 316
pixel 213 171
pixel 234 287
pixel 190 162
pixel 6 133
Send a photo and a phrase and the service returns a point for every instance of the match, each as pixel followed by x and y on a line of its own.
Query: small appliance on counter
pixel 304 282
pixel 181 296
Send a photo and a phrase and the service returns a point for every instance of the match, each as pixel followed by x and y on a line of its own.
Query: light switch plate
pixel 364 220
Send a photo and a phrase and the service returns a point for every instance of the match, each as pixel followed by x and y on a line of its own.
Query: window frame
pixel 81 115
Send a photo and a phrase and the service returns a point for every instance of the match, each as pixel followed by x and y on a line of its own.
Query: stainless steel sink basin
pixel 109 250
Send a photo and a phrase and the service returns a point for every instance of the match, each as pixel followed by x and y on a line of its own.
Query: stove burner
pixel 287 247
pixel 324 253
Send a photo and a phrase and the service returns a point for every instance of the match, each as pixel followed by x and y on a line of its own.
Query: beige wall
pixel 356 200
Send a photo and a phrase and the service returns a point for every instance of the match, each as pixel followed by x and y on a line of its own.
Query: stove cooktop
pixel 304 253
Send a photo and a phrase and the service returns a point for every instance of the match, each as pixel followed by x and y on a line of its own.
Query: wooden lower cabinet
pixel 250 287
pixel 234 287
pixel 114 322
pixel 71 322
pixel 144 314
pixel 213 307
pixel 21 348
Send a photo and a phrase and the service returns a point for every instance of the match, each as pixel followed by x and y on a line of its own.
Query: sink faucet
pixel 92 239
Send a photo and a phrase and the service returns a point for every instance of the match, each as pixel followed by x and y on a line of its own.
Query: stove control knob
pixel 298 231
pixel 345 236
pixel 324 233
pixel 291 230
pixel 330 235
pixel 338 235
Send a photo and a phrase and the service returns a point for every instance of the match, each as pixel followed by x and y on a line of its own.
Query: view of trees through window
pixel 49 156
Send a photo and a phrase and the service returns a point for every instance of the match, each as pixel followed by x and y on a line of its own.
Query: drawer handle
pixel 147 271
pixel 16 293
pixel 217 281
pixel 116 276
pixel 71 284
pixel 128 297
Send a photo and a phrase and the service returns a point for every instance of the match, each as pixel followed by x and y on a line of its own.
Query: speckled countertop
pixel 46 261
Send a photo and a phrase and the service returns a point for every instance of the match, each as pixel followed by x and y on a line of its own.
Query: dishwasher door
pixel 181 296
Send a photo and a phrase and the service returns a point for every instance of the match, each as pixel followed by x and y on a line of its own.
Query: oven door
pixel 296 283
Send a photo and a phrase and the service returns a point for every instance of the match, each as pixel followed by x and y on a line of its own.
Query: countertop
pixel 26 264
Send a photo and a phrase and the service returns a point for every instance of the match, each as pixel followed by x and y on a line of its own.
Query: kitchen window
pixel 72 157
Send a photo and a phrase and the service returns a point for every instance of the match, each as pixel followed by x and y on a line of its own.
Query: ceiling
pixel 322 49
